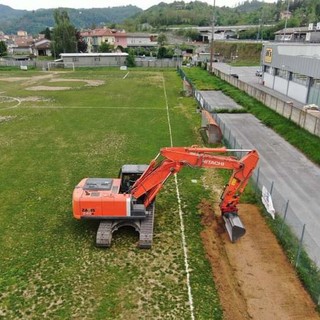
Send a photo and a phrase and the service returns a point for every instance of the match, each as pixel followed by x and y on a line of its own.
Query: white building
pixel 293 69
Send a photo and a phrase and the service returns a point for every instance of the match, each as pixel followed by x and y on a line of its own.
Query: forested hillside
pixel 178 13
pixel 249 12
pixel 35 21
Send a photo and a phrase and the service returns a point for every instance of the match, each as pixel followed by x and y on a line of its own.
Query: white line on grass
pixel 85 107
pixel 15 106
pixel 183 237
pixel 126 75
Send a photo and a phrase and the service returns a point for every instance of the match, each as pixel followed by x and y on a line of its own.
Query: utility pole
pixel 212 37
pixel 285 24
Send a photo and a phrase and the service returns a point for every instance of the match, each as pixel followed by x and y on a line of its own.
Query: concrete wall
pixel 305 120
pixel 158 63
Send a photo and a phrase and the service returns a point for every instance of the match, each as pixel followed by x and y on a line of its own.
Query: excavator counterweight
pixel 129 200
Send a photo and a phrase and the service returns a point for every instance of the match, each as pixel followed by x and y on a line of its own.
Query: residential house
pixel 94 38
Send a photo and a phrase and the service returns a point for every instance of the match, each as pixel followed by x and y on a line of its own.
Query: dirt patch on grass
pixel 6 118
pixel 47 88
pixel 89 83
pixel 253 276
pixel 51 77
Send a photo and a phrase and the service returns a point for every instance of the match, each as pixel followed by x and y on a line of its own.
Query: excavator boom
pixel 132 195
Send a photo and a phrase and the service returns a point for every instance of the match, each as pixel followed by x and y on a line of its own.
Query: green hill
pixel 35 21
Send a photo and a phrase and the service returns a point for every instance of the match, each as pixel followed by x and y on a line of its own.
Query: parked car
pixel 259 73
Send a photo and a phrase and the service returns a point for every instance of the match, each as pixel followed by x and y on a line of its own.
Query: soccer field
pixel 59 127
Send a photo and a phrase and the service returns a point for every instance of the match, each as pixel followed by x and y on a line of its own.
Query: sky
pixel 143 4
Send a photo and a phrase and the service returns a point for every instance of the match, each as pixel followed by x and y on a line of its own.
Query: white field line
pixel 83 107
pixel 126 75
pixel 183 237
pixel 15 106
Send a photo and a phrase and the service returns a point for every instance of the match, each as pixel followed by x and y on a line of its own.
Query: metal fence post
pixel 284 217
pixel 271 188
pixel 300 245
pixel 257 181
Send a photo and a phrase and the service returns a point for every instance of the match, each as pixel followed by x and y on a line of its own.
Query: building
pixel 293 69
pixel 42 48
pixel 94 59
pixel 144 40
pixel 94 38
pixel 117 38
pixel 299 34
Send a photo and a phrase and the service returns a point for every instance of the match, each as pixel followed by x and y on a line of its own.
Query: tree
pixel 3 49
pixel 105 47
pixel 162 39
pixel 82 46
pixel 162 52
pixel 64 34
pixel 131 59
pixel 47 33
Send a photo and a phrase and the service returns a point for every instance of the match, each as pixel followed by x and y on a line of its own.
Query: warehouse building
pixel 293 70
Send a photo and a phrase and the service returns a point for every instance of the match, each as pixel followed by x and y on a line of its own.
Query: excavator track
pixel 143 226
pixel 104 234
pixel 146 229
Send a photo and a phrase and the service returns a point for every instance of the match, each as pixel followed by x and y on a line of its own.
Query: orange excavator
pixel 130 199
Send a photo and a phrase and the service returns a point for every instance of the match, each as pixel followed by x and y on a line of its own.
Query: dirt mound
pixel 253 276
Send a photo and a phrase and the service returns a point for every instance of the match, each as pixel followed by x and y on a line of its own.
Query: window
pixel 300 78
pixel 96 58
pixel 75 59
pixel 269 70
pixel 282 73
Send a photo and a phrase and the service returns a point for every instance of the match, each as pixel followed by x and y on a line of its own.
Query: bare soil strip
pixel 253 276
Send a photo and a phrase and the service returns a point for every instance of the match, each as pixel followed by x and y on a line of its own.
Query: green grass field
pixel 51 139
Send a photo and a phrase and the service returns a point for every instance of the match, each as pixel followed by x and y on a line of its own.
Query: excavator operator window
pixel 127 181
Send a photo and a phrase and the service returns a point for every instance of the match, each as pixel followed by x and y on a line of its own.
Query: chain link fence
pixel 292 233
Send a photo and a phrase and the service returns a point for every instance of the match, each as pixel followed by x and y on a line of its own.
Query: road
pixel 295 178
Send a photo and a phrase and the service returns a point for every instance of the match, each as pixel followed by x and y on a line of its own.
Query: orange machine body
pixel 97 198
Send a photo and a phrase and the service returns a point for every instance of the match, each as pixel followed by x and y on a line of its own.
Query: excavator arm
pixel 171 160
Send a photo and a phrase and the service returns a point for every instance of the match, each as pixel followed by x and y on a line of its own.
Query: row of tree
pixel 197 13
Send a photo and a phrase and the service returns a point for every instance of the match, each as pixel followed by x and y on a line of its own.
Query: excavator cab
pixel 129 174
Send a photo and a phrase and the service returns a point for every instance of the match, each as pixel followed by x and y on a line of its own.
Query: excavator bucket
pixel 234 226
